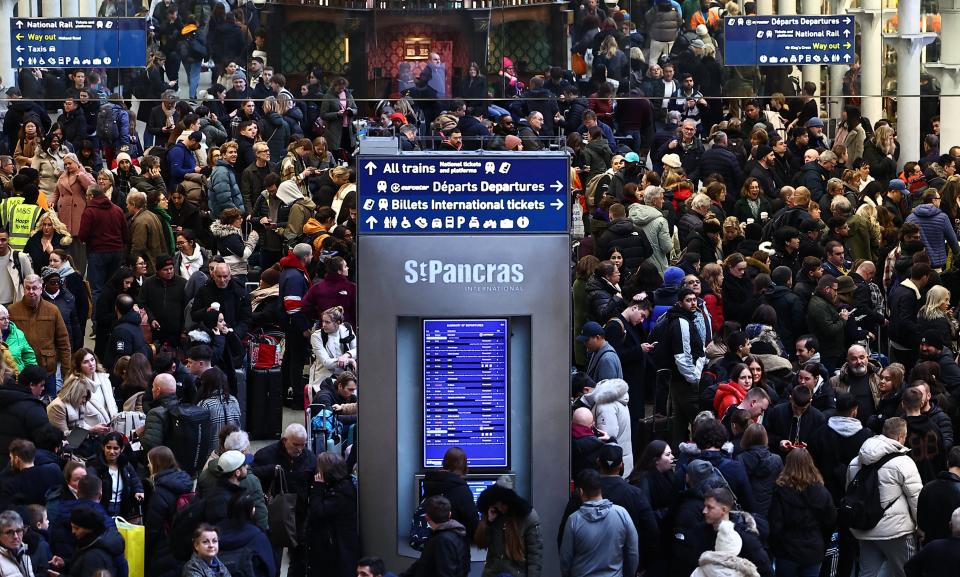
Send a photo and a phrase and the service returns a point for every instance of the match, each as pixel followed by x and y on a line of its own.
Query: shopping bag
pixel 135 543
pixel 282 511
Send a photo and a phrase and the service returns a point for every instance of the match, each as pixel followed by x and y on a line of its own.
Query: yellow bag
pixel 135 544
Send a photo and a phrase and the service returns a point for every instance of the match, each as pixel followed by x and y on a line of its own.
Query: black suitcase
pixel 265 404
pixel 240 392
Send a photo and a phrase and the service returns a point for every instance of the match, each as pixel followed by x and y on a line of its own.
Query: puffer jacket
pixel 232 247
pixel 663 23
pixel 690 222
pixel 715 564
pixel 603 300
pixel 625 237
pixel 763 468
pixel 224 190
pixel 935 230
pixel 657 229
pixel 900 485
pixel 609 401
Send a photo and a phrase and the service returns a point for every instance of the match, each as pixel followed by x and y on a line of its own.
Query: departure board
pixel 465 391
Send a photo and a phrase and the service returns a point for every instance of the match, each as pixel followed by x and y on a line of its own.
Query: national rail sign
pixel 788 40
pixel 463 193
pixel 78 42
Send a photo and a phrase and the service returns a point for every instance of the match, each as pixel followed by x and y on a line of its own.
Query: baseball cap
pixel 591 329
pixel 632 157
pixel 897 184
pixel 230 461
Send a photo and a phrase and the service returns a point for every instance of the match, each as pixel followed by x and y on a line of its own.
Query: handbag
pixel 134 544
pixel 282 511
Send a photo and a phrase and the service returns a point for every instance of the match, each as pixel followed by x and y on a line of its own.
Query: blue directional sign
pixel 788 40
pixel 465 193
pixel 82 42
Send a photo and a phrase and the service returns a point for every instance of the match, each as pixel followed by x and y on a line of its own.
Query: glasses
pixel 694 281
pixel 12 532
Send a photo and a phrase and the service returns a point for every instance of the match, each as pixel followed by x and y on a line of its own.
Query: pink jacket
pixel 70 198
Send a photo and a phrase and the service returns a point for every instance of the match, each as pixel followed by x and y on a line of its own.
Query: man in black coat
pixel 905 301
pixel 126 338
pixel 291 454
pixel 163 296
pixel 835 445
pixel 938 499
pixel 720 160
pixel 791 423
pixel 450 481
pixel 17 110
pixel 232 296
pixel 626 237
pixel 22 413
pixel 539 99
pixel 447 552
pixel 472 130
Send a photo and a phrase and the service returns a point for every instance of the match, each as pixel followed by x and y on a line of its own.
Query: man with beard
pixel 932 349
pixel 858 377
pixel 826 322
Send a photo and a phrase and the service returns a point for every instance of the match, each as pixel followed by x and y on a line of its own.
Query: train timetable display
pixel 465 392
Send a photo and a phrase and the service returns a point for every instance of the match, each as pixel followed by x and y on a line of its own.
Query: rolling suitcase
pixel 265 404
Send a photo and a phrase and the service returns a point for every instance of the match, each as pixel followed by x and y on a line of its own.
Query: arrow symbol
pixel 846 20
pixel 557 186
pixel 370 167
pixel 20 60
pixel 846 57
pixel 847 45
pixel 371 221
pixel 846 33
pixel 558 204
pixel 19 36
pixel 20 48
pixel 19 23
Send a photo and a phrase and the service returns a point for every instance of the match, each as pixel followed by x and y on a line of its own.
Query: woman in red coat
pixel 733 391
pixel 69 200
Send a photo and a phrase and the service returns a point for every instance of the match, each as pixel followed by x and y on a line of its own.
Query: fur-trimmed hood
pixel 496 493
pixel 714 564
pixel 608 391
pixel 220 230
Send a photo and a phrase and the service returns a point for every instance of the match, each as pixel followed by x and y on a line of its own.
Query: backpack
pixel 786 218
pixel 860 507
pixel 126 422
pixel 597 189
pixel 344 342
pixel 16 264
pixel 420 530
pixel 660 355
pixel 188 436
pixel 107 128
pixel 190 512
pixel 240 562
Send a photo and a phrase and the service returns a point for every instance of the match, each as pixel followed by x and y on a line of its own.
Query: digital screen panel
pixel 476 484
pixel 465 391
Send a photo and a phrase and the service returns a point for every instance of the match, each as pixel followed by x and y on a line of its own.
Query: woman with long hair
pixel 273 128
pixel 332 519
pixel 48 161
pixel 937 315
pixel 71 409
pixel 29 139
pixel 122 490
pixel 762 466
pixel 338 110
pixel 646 279
pixel 583 273
pixel 711 291
pixel 732 392
pixel 334 346
pixel 878 153
pixel 70 199
pixel 473 88
pixel 135 379
pixel 169 482
pixel 214 394
pixel 737 289
pixel 102 406
pixel 762 332
pixel 889 393
pixel 802 516
pixel 71 279
pixel 49 235
pixel 509 530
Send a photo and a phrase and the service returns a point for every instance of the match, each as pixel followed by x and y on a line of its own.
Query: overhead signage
pixel 788 40
pixel 81 42
pixel 465 390
pixel 476 194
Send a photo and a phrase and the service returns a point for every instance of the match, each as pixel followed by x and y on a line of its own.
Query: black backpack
pixel 185 520
pixel 240 562
pixel 188 436
pixel 107 128
pixel 660 355
pixel 420 530
pixel 860 508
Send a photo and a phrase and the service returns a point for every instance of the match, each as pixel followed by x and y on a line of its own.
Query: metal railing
pixel 414 5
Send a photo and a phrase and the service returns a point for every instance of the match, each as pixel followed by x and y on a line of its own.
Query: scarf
pixel 165 221
pixel 191 264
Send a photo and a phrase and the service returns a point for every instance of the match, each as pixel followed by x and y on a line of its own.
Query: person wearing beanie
pixel 263 299
pixel 827 322
pixel 724 559
pixel 164 296
pixel 239 91
pixel 513 143
pixel 294 284
pixel 98 547
pixel 508 525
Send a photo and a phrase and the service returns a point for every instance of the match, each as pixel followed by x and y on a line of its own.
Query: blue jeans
pixel 787 568
pixel 50 387
pixel 193 77
pixel 100 265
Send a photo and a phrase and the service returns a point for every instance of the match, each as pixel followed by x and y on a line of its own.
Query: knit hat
pixel 512 141
pixel 196 136
pixel 164 260
pixel 728 540
pixel 239 75
pixel 87 518
pixel 123 156
pixel 47 272
pixel 302 250
pixel 507 63
pixel 932 338
pixel 673 276
pixel 398 116
pixel 845 285
pixel 699 471
pixel 762 151
pixel 270 277
pixel 671 160
pixel 814 122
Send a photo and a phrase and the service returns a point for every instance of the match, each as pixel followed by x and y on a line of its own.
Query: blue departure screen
pixel 465 391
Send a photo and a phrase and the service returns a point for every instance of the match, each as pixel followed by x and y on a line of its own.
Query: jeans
pixel 100 265
pixel 886 557
pixel 789 568
pixel 193 77
pixel 686 404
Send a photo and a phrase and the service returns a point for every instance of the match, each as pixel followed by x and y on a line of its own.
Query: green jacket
pixel 207 481
pixel 20 348
pixel 825 323
pixel 860 241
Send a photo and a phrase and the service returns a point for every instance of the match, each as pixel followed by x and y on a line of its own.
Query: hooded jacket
pixel 926 442
pixel 790 309
pixel 935 230
pixel 126 339
pixel 628 239
pixel 653 224
pixel 717 564
pixel 446 553
pixel 294 284
pixel 498 561
pixel 21 416
pixel 455 489
pixel 609 401
pixel 300 208
pixel 763 468
pixel 102 552
pixel 103 226
pixel 900 487
pixel 801 523
pixel 683 345
pixel 231 245
pixel 599 539
pixel 937 501
pixel 224 189
pixel 833 447
pixel 603 299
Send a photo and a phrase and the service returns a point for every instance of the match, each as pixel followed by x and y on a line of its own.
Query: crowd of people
pixel 781 296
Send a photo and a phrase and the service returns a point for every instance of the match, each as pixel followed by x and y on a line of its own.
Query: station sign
pixel 78 42
pixel 788 40
pixel 463 193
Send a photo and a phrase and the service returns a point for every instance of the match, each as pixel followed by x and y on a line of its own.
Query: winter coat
pixel 736 475
pixel 165 301
pixel 599 539
pixel 332 526
pixel 446 553
pixel 728 394
pixel 19 349
pixel 131 483
pixel 498 563
pixel 738 302
pixel 167 487
pixel 823 320
pixel 833 447
pixel 791 316
pixel 155 426
pixel 603 300
pixel 782 425
pixel 234 305
pixel 926 446
pixel 11 567
pixel 763 468
pixel 609 401
pixel 147 238
pixel 653 224
pixel 904 302
pixel 663 22
pixel 937 501
pixel 935 230
pixel 801 523
pixel 723 161
pixel 276 133
pixel 867 400
pixel 624 236
pixel 455 489
pixel 45 331
pixel 328 111
pixel 70 198
pixel 937 559
pixel 684 346
pixel 232 247
pixel 126 338
pixel 597 156
pixel 900 487
pixel 21 416
pixel 813 176
pixel 103 226
pixel 882 167
pixel 95 553
pixel 197 567
pixel 224 189
pixel 236 536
